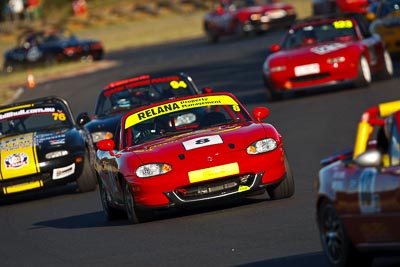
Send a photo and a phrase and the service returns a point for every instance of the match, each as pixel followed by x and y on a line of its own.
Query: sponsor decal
pixel 325 49
pixel 40 138
pixel 60 141
pixel 24 111
pixel 185 104
pixel 63 172
pixel 16 160
pixel 202 142
pixel 19 156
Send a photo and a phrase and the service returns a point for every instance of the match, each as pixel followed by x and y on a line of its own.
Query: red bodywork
pixel 334 61
pixel 359 6
pixel 117 165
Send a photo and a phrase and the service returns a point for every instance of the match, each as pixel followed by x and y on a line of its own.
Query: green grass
pixel 118 33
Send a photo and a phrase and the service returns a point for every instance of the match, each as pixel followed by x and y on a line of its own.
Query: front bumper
pixel 54 172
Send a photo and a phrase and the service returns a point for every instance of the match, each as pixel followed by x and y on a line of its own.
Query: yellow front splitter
pixel 22 187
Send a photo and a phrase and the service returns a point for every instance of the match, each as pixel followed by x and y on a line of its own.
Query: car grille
pixel 212 189
pixel 310 77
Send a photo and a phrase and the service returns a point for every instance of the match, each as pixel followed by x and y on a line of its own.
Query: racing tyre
pixel 270 93
pixel 285 188
pixel 364 76
pixel 134 216
pixel 387 71
pixel 212 36
pixel 273 95
pixel 87 180
pixel 110 212
pixel 335 241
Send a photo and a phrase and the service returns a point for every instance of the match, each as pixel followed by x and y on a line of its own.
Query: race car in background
pixel 325 51
pixel 41 145
pixel 45 48
pixel 385 21
pixel 119 97
pixel 242 17
pixel 188 150
pixel 358 204
pixel 323 7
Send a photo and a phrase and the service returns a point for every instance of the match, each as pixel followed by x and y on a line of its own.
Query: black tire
pixel 286 187
pixel 364 76
pixel 134 216
pixel 87 180
pixel 270 93
pixel 212 36
pixel 387 71
pixel 335 242
pixel 110 212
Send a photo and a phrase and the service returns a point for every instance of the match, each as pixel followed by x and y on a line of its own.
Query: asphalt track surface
pixel 59 227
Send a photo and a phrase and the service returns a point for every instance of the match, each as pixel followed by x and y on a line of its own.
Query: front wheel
pixel 110 212
pixel 134 215
pixel 285 188
pixel 387 70
pixel 87 180
pixel 335 242
pixel 364 76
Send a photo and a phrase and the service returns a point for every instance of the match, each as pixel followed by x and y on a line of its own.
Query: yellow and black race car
pixel 41 145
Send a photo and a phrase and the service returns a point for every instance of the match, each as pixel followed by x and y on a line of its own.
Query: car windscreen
pixel 140 93
pixel 175 118
pixel 338 30
pixel 32 118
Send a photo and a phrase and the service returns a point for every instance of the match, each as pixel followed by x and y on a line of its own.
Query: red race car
pixel 190 150
pixel 241 17
pixel 325 52
pixel 358 204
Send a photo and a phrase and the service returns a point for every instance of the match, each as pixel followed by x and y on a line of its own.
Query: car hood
pixel 21 154
pixel 42 140
pixel 213 141
pixel 312 52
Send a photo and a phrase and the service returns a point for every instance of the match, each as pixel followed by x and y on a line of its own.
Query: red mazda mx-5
pixel 324 52
pixel 188 150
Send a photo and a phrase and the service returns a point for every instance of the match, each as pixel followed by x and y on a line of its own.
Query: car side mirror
pixel 274 48
pixel 369 158
pixel 82 118
pixel 107 145
pixel 260 113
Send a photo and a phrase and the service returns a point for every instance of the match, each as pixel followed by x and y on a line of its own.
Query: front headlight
pixel 262 146
pixel 153 169
pixel 56 154
pixel 98 136
pixel 335 60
